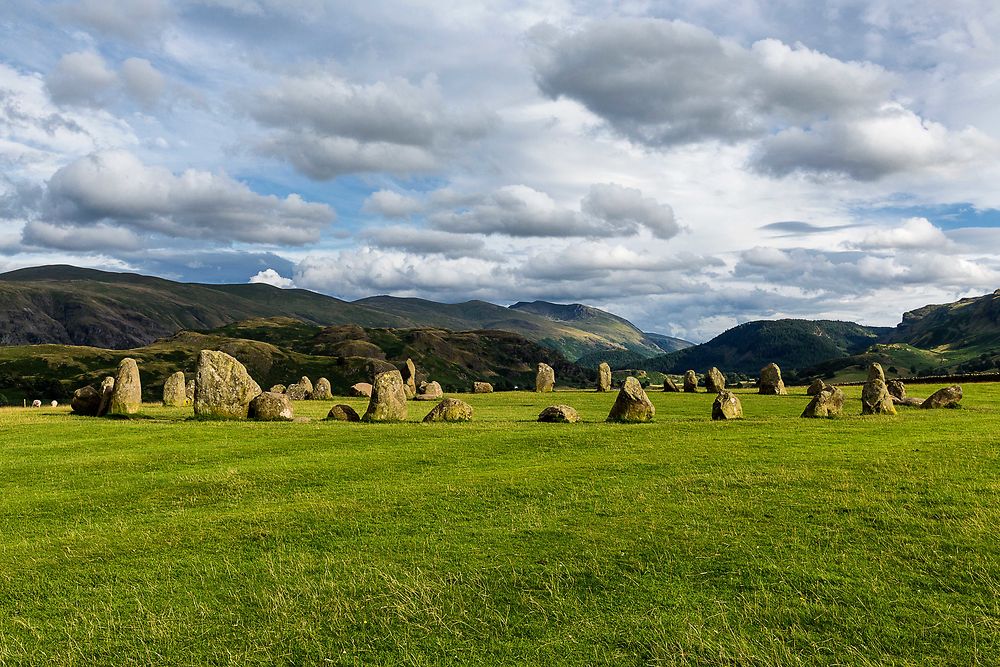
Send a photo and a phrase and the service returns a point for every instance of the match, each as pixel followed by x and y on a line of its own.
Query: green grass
pixel 771 541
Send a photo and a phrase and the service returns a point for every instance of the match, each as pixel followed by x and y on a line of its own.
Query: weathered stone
pixel 946 397
pixel 559 414
pixel 604 377
pixel 388 401
pixel 343 413
pixel 271 407
pixel 306 384
pixel 632 404
pixel 909 401
pixel 829 402
pixel 727 406
pixel 126 398
pixel 107 390
pixel 450 410
pixel 278 389
pixel 175 391
pixel 545 379
pixel 322 390
pixel 429 391
pixel 361 389
pixel 482 388
pixel 296 392
pixel 770 382
pixel 896 389
pixel 409 374
pixel 189 392
pixel 715 381
pixel 223 387
pixel 875 398
pixel 670 385
pixel 86 401
pixel 815 387
pixel 690 382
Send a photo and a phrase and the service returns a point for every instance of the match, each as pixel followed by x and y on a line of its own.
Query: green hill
pixel 966 332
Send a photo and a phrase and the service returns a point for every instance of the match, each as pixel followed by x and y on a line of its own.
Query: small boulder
pixel 450 410
pixel 361 390
pixel 322 390
pixel 278 389
pixel 946 397
pixel 829 402
pixel 727 406
pixel 296 392
pixel 559 414
pixel 545 379
pixel 604 377
pixel 482 388
pixel 670 385
pixel 896 389
pixel 815 387
pixel 343 413
pixel 429 391
pixel 271 407
pixel 715 381
pixel 388 401
pixel 409 373
pixel 875 398
pixel 770 382
pixel 223 387
pixel 126 398
pixel 175 391
pixel 86 401
pixel 107 390
pixel 632 404
pixel 690 382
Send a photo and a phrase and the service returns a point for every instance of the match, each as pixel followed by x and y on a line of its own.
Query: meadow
pixel 773 540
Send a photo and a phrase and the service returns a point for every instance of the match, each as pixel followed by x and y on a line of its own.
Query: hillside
pixel 968 324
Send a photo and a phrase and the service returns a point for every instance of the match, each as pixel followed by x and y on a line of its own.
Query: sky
pixel 687 165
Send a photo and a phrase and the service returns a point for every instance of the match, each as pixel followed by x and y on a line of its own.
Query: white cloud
pixel 426 241
pixel 391 204
pixel 128 19
pixel 81 78
pixel 914 233
pixel 273 278
pixel 142 81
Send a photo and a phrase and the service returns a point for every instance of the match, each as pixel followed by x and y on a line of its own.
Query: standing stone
pixel 632 404
pixel 450 410
pixel 770 382
pixel 482 388
pixel 361 390
pixel 278 389
pixel 189 392
pixel 816 387
pixel 126 398
pixel 559 414
pixel 727 406
pixel 175 391
pixel 896 389
pixel 875 398
pixel 297 392
pixel 829 402
pixel 388 401
pixel 409 374
pixel 690 382
pixel 715 381
pixel 545 380
pixel 223 387
pixel 343 413
pixel 429 391
pixel 670 385
pixel 946 397
pixel 306 384
pixel 604 377
pixel 322 390
pixel 271 407
pixel 107 391
pixel 86 401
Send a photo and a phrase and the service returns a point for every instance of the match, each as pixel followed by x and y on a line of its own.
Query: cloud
pixel 915 233
pixel 327 126
pixel 391 204
pixel 81 78
pixel 101 237
pixel 115 187
pixel 630 209
pixel 142 81
pixel 800 228
pixel 273 278
pixel 426 241
pixel 128 19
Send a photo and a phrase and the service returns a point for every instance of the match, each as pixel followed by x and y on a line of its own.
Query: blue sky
pixel 688 165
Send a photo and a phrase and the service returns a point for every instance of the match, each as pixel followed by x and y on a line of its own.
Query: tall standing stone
pixel 388 401
pixel 223 387
pixel 715 381
pixel 690 382
pixel 875 397
pixel 322 390
pixel 632 404
pixel 107 391
pixel 307 385
pixel 409 374
pixel 727 406
pixel 126 398
pixel 189 392
pixel 770 382
pixel 604 377
pixel 175 391
pixel 545 380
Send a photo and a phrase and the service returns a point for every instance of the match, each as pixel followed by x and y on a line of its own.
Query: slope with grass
pixel 775 540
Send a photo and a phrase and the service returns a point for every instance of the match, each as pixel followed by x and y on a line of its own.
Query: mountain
pixel 70 305
pixel 792 344
pixel 964 324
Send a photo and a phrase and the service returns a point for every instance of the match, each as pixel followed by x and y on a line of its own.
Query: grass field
pixel 771 541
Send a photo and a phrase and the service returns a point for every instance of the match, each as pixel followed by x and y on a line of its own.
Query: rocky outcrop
pixel 690 382
pixel 343 413
pixel 545 378
pixel 223 387
pixel 770 382
pixel 727 406
pixel 271 407
pixel 388 401
pixel 175 391
pixel 450 410
pixel 829 402
pixel 715 381
pixel 632 404
pixel 559 414
pixel 604 377
pixel 946 397
pixel 875 398
pixel 126 398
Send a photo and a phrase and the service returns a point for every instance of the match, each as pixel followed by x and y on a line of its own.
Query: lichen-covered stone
pixel 690 382
pixel 278 389
pixel 296 392
pixel 126 398
pixel 223 387
pixel 559 414
pixel 946 397
pixel 86 401
pixel 189 392
pixel 429 391
pixel 361 390
pixel 343 413
pixel 409 373
pixel 107 391
pixel 271 406
pixel 815 387
pixel 322 390
pixel 715 381
pixel 450 410
pixel 482 388
pixel 669 385
pixel 828 402
pixel 175 391
pixel 770 382
pixel 632 404
pixel 896 389
pixel 306 384
pixel 875 398
pixel 545 378
pixel 604 377
pixel 388 401
pixel 727 406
